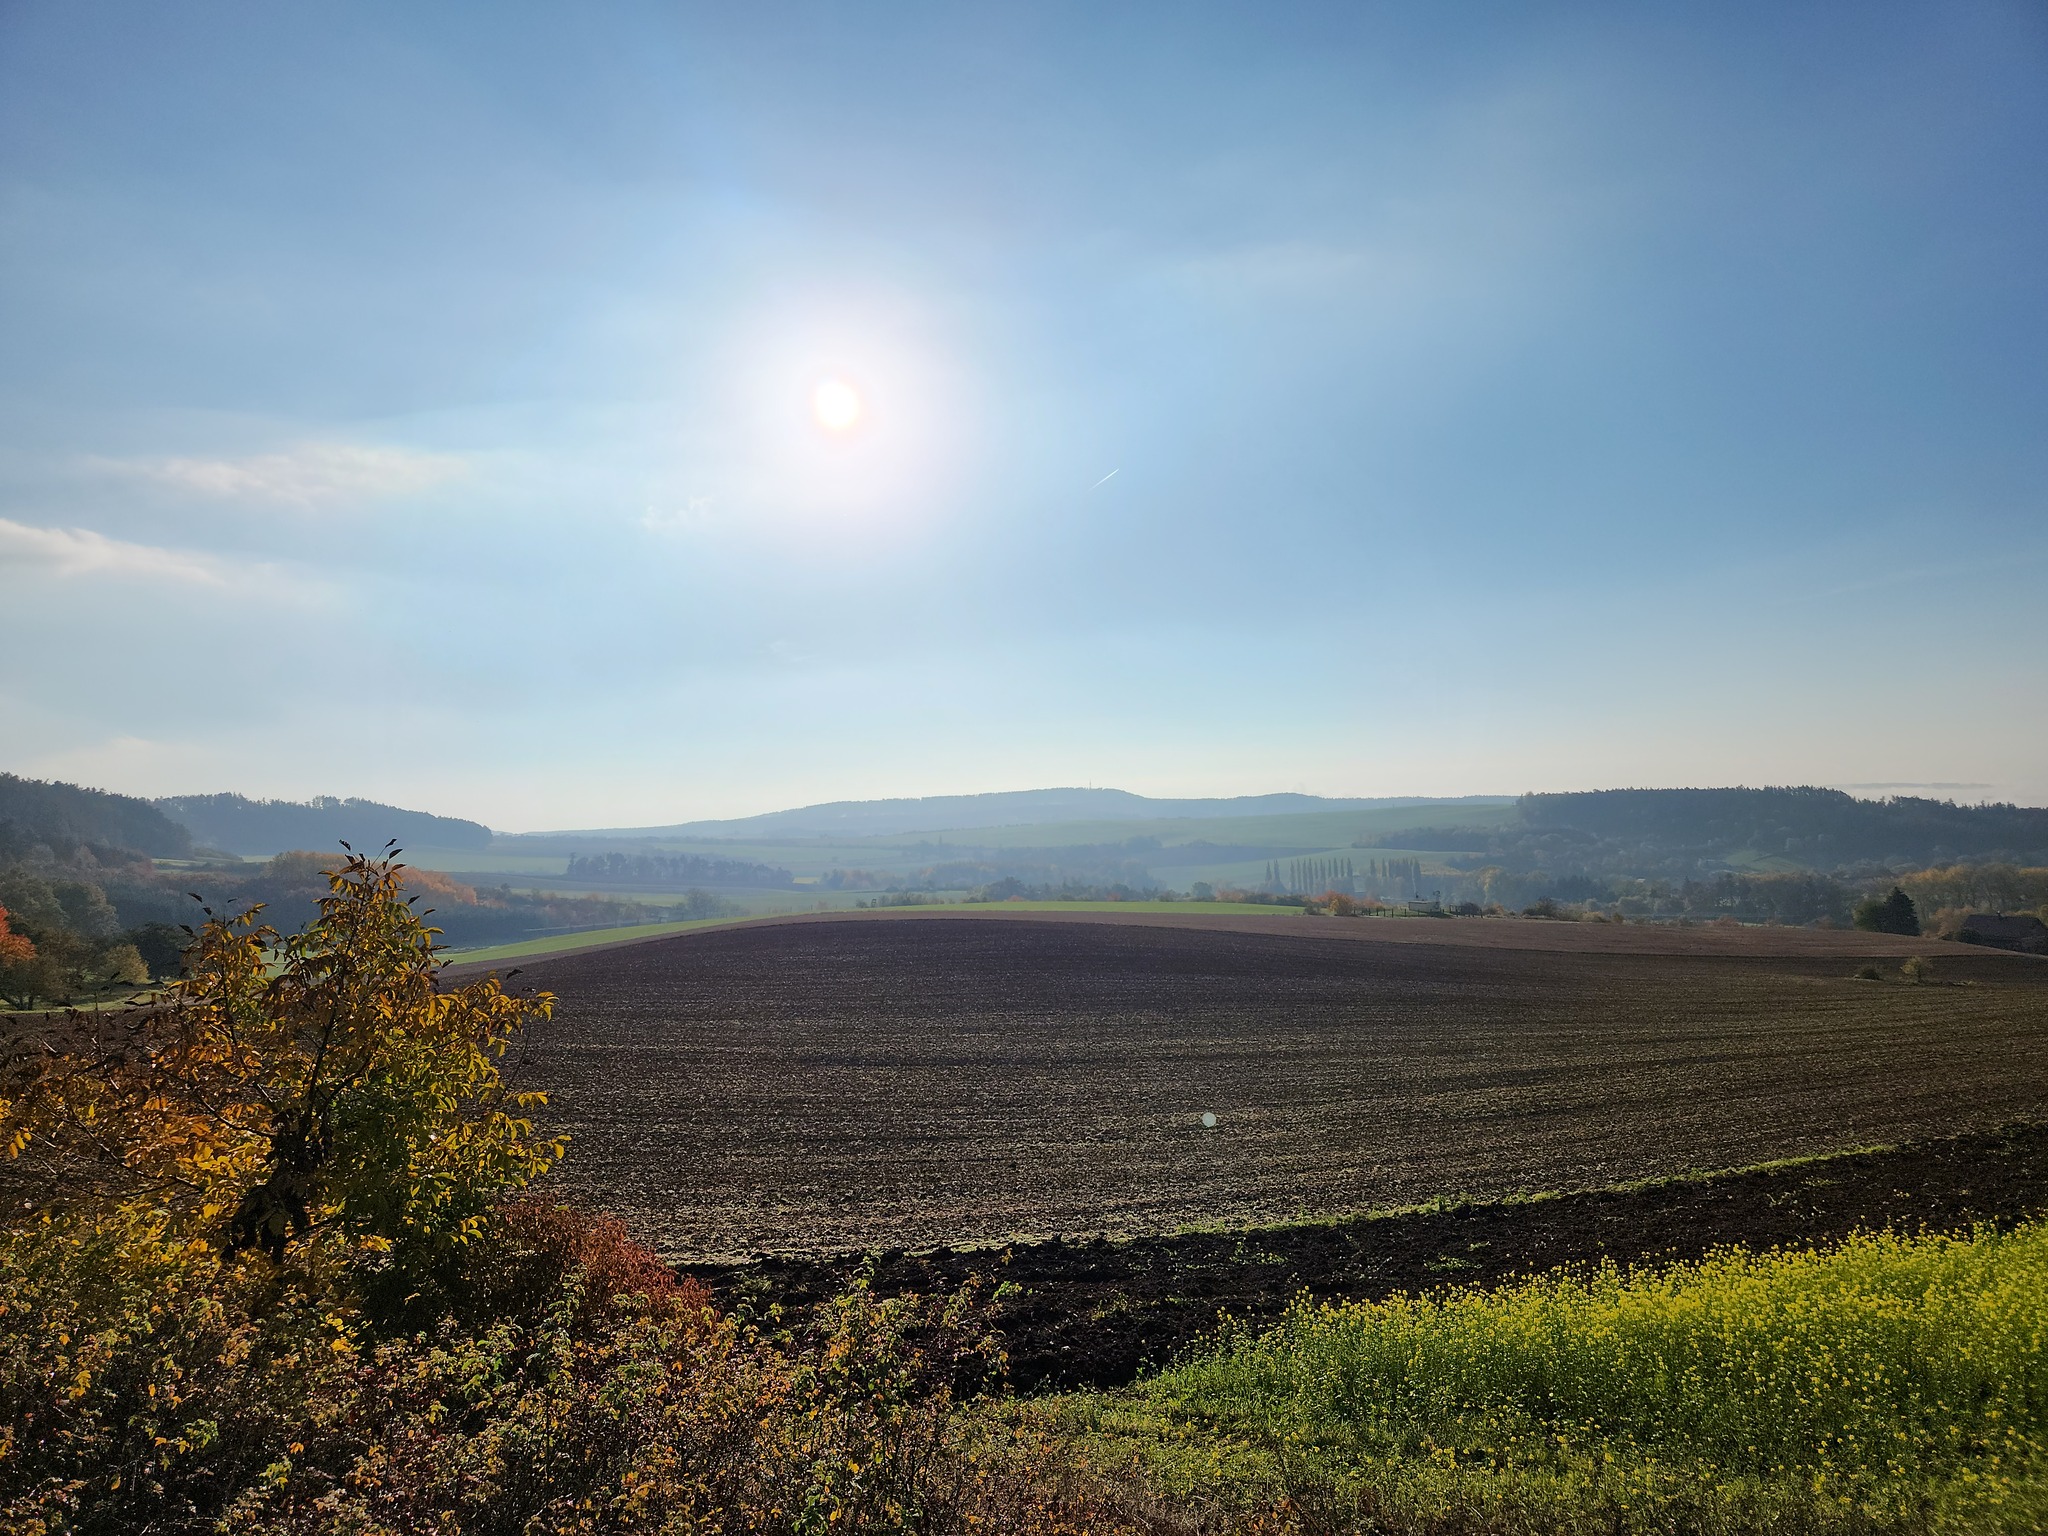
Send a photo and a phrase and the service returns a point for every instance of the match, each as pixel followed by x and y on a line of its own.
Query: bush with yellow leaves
pixel 259 1272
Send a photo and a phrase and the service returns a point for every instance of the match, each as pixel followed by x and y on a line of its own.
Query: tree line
pixel 1940 898
pixel 237 824
pixel 1824 829
pixel 672 870
pixel 90 914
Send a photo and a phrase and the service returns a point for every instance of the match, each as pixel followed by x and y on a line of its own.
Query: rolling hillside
pixel 1013 808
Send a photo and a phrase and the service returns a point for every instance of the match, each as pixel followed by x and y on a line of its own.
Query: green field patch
pixel 1883 1384
pixel 491 864
pixel 568 943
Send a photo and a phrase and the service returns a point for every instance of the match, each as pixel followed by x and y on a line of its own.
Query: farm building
pixel 2025 932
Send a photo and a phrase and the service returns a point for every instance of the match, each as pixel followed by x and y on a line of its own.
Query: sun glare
pixel 836 404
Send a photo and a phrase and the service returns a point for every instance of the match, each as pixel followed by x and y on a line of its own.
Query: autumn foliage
pixel 16 955
pixel 14 948
pixel 294 1088
pixel 265 1267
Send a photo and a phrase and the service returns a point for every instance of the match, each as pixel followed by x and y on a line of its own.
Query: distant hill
pixel 263 827
pixel 1009 808
pixel 65 817
pixel 1813 828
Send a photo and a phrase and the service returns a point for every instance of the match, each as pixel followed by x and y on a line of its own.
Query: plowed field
pixel 904 1081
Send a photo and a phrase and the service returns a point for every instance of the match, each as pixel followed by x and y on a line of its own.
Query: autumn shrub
pixel 146 1387
pixel 658 1421
pixel 148 1382
pixel 265 1267
pixel 306 1090
pixel 519 1266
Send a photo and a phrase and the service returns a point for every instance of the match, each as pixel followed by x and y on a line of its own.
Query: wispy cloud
pixel 80 552
pixel 683 517
pixel 309 475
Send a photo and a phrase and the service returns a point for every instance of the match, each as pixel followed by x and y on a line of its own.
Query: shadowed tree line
pixel 101 893
pixel 237 824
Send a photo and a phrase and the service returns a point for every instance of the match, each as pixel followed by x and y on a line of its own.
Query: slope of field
pixel 808 1084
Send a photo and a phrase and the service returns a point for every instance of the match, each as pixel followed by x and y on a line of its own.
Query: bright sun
pixel 836 404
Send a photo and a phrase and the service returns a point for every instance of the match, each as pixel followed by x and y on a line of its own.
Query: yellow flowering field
pixel 1890 1383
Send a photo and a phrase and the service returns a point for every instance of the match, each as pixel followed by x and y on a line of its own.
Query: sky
pixel 624 414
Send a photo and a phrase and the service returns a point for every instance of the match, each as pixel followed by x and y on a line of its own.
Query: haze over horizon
pixel 657 413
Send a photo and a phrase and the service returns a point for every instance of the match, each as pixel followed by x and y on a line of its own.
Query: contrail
pixel 1106 478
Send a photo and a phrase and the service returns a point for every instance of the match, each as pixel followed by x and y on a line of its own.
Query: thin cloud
pixel 689 516
pixel 79 552
pixel 308 476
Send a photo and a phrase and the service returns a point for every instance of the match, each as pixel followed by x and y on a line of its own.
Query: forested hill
pixel 1007 808
pixel 240 825
pixel 1817 828
pixel 66 818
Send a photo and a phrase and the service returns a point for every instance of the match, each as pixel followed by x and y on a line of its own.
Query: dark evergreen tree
pixel 1889 914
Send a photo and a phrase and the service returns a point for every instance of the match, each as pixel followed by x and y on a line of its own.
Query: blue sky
pixel 417 402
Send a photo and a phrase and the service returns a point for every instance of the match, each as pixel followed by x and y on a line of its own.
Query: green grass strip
pixel 568 943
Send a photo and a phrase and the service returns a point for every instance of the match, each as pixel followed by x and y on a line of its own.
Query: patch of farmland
pixel 1096 1313
pixel 885 1081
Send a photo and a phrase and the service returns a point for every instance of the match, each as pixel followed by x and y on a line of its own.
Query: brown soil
pixel 1095 1314
pixel 889 1082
